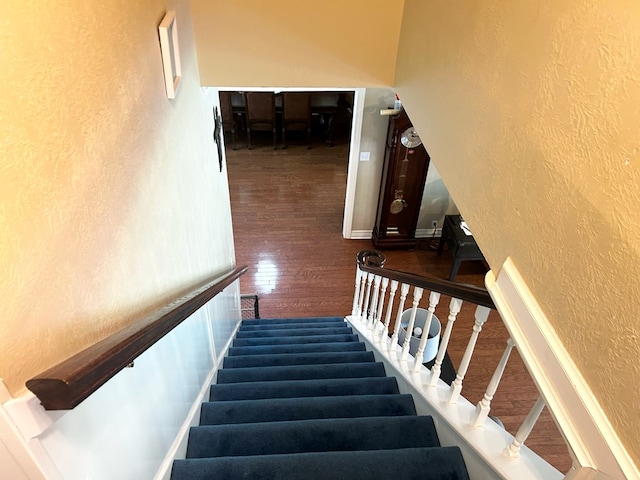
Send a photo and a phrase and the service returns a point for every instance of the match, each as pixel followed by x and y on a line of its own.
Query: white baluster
pixel 380 307
pixel 454 309
pixel 365 307
pixel 456 387
pixel 371 318
pixel 513 450
pixel 356 294
pixel 434 298
pixel 363 281
pixel 417 295
pixel 484 405
pixel 384 333
pixel 404 290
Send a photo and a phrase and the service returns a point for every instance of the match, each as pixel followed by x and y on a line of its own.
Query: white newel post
pixel 513 450
pixel 404 291
pixel 356 294
pixel 456 387
pixel 373 312
pixel 380 307
pixel 454 308
pixel 384 334
pixel 484 405
pixel 434 298
pixel 417 295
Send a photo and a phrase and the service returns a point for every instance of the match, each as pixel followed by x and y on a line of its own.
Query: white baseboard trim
pixel 420 233
pixel 587 430
pixel 360 235
pixel 428 232
pixel 25 454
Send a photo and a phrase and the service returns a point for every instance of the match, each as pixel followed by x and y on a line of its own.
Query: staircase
pixel 303 399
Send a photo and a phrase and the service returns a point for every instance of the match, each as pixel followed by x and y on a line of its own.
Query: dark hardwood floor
pixel 287 208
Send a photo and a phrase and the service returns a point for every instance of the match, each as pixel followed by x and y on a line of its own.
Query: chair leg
pixel 275 135
pixel 233 138
pixel 249 146
pixel 329 138
pixel 309 137
pixel 284 139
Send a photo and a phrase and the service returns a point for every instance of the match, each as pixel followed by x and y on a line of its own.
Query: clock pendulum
pixel 409 139
pixel 399 202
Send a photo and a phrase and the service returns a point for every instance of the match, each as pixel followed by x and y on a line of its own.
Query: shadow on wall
pixel 385 101
pixel 436 201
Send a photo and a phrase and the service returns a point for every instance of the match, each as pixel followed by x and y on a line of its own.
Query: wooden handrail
pixel 367 260
pixel 65 385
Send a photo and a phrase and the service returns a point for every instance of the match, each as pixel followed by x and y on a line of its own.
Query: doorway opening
pixel 335 122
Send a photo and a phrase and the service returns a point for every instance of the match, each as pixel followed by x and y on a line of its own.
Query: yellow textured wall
pixel 111 201
pixel 530 110
pixel 288 43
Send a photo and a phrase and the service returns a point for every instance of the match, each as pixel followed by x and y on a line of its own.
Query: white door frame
pixel 354 159
pixel 354 142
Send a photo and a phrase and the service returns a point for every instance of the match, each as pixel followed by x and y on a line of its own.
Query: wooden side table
pixel 462 246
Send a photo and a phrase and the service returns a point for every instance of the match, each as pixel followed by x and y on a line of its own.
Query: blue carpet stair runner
pixel 303 399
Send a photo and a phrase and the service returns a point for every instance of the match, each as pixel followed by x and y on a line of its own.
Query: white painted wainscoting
pixel 597 450
pixel 133 426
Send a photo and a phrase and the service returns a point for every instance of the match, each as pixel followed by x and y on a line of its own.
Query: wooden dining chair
pixel 260 114
pixel 229 120
pixel 296 114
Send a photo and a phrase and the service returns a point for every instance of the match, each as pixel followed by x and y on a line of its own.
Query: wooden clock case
pixel 397 230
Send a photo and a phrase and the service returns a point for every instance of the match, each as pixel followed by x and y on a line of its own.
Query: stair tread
pixel 295 332
pixel 313 435
pixel 273 321
pixel 304 388
pixel 240 342
pixel 285 326
pixel 302 398
pixel 432 463
pixel 298 348
pixel 302 408
pixel 281 359
pixel 301 372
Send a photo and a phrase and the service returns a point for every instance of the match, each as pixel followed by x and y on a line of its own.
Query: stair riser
pixel 337 435
pixel 247 361
pixel 248 342
pixel 295 332
pixel 399 464
pixel 285 321
pixel 301 372
pixel 274 410
pixel 298 348
pixel 281 326
pixel 304 388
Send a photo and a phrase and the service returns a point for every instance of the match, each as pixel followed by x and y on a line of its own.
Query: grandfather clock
pixel 403 177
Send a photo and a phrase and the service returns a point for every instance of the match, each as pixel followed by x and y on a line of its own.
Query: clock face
pixel 410 138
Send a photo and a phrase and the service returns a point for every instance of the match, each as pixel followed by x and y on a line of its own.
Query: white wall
pixel 112 201
pixel 112 204
pixel 133 423
pixel 530 110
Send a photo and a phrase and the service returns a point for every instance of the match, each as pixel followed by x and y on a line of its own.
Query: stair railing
pixel 371 284
pixel 65 385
